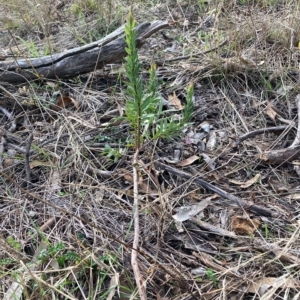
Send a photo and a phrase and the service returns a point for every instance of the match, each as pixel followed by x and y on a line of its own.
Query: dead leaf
pixel 293 197
pixel 7 162
pixel 63 101
pixel 212 228
pixel 248 183
pixel 210 162
pixel 38 163
pixel 185 23
pixel 284 90
pixel 175 101
pixel 271 112
pixel 14 292
pixel 144 186
pixel 114 283
pixel 186 212
pixel 262 284
pixel 212 141
pixel 188 161
pixel 244 226
pixel 51 84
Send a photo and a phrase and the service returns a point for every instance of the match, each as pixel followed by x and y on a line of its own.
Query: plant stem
pixel 135 245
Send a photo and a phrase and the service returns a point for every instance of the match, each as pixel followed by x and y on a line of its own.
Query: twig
pixel 259 131
pixel 27 158
pixel 10 117
pixel 135 245
pixel 297 138
pixel 2 151
pixel 248 205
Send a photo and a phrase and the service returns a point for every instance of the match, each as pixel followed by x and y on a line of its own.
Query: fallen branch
pixel 76 61
pixel 247 205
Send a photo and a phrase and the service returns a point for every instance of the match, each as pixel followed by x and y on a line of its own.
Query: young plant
pixel 212 277
pixel 31 47
pixel 145 114
pixel 14 243
pixel 113 154
pixel 144 104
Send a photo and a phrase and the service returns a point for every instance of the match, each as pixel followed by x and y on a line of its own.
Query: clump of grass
pixel 93 19
pixel 85 7
pixel 27 16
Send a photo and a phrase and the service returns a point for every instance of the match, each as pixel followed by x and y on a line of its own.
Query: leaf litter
pixel 244 244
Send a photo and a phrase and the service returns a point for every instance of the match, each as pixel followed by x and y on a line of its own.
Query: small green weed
pixel 51 252
pixel 265 226
pixel 112 153
pixel 12 242
pixel 56 251
pixel 30 47
pixel 82 7
pixel 6 261
pixel 211 275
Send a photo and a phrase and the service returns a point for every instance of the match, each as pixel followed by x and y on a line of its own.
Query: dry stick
pixel 10 117
pixel 259 131
pixel 135 244
pixel 248 205
pixel 174 273
pixel 76 61
pixel 2 143
pixel 297 138
pixel 27 158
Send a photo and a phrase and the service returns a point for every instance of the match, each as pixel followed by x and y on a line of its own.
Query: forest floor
pixel 218 204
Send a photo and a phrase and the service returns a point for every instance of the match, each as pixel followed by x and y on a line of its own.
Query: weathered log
pixel 78 60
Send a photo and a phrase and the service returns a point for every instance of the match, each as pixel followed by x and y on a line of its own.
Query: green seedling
pixel 211 275
pixel 12 242
pixel 31 47
pixel 265 226
pixel 144 109
pixel 112 153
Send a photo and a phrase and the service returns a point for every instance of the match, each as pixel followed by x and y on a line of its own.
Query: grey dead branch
pixel 247 205
pixel 76 61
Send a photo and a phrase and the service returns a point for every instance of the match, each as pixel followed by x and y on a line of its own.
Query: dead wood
pixel 245 204
pixel 78 60
pixel 288 154
pixel 259 131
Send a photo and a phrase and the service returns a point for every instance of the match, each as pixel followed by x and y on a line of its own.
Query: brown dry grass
pixel 248 84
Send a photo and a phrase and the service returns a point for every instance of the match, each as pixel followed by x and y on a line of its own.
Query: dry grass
pixel 78 245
